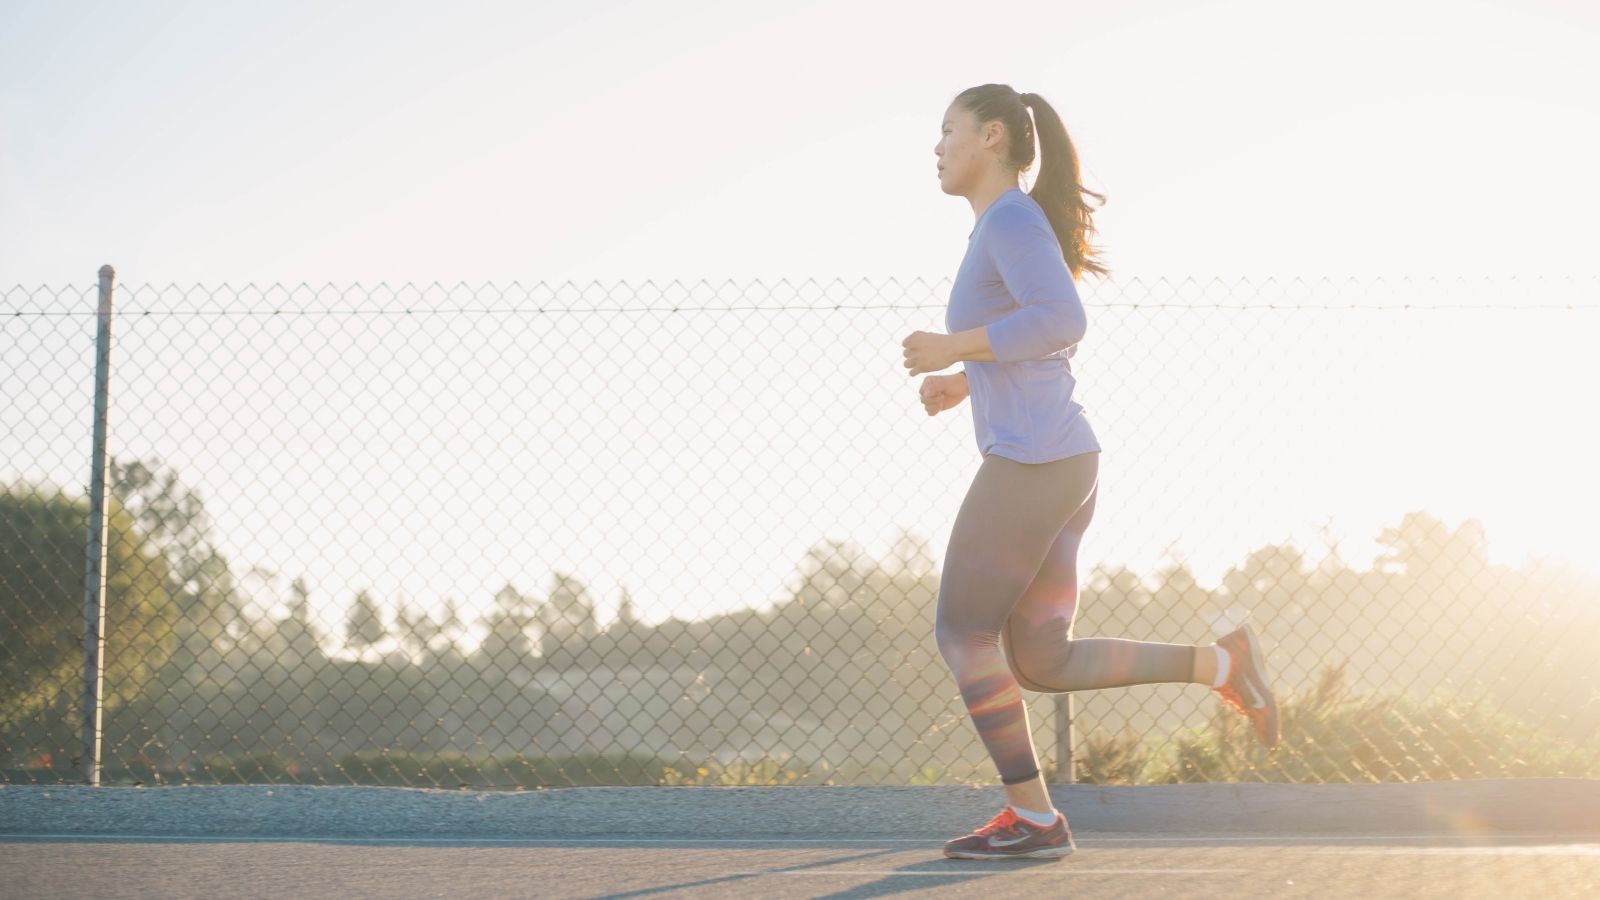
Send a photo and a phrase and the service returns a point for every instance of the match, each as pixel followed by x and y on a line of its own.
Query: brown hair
pixel 1058 190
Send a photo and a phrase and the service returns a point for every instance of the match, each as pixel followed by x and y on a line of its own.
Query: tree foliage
pixel 43 564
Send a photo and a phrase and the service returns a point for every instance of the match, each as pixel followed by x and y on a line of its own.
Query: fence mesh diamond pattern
pixel 510 536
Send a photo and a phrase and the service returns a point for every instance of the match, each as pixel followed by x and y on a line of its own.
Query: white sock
pixel 1224 666
pixel 1041 819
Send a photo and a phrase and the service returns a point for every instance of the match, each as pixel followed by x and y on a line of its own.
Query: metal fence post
pixel 94 630
pixel 1066 769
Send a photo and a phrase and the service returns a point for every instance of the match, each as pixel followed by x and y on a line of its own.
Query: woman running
pixel 1010 571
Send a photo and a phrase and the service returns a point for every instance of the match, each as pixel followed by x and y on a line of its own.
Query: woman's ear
pixel 993 133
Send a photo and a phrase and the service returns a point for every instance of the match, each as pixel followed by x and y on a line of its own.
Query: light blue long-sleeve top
pixel 1015 281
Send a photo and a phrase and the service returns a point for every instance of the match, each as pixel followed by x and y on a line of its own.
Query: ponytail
pixel 1058 189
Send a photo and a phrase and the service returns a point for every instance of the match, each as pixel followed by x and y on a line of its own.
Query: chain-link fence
pixel 672 534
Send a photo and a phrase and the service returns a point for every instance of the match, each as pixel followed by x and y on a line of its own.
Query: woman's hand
pixel 927 351
pixel 940 392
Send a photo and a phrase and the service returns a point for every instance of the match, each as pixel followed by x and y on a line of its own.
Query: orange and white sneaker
pixel 1009 836
pixel 1248 688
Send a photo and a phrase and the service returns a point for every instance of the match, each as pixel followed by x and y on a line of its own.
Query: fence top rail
pixel 808 294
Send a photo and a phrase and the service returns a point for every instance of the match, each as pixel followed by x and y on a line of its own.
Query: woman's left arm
pixel 1028 257
pixel 972 344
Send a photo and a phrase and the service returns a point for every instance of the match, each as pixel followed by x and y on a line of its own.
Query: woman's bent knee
pixel 1029 684
pixel 1031 657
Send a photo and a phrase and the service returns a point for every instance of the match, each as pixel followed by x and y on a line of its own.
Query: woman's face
pixel 963 150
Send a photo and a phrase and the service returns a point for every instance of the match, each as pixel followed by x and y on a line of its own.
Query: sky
pixel 235 147
pixel 493 141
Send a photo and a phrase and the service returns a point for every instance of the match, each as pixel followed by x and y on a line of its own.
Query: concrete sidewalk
pixel 1501 806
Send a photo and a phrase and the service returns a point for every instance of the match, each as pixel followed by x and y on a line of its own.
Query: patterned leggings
pixel 1012 569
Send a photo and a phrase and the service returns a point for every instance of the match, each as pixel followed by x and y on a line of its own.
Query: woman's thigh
pixel 1008 525
pixel 1053 592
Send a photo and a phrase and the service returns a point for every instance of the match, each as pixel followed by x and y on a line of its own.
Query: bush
pixel 1328 735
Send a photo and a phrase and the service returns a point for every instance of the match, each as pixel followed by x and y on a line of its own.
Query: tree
pixel 417 630
pixel 444 641
pixel 363 626
pixel 627 615
pixel 42 568
pixel 568 620
pixel 507 643
pixel 833 574
pixel 1178 590
pixel 1114 586
pixel 173 518
pixel 296 642
pixel 570 611
pixel 913 555
pixel 1423 546
pixel 1272 581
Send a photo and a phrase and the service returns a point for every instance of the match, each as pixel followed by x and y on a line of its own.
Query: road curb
pixel 1499 806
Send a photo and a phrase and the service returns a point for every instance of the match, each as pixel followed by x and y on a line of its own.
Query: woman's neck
pixel 985 196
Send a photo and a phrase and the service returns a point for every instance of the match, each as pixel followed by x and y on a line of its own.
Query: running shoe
pixel 1009 836
pixel 1248 688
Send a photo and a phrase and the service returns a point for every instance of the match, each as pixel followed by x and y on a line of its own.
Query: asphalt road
pixel 1537 838
pixel 1106 865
